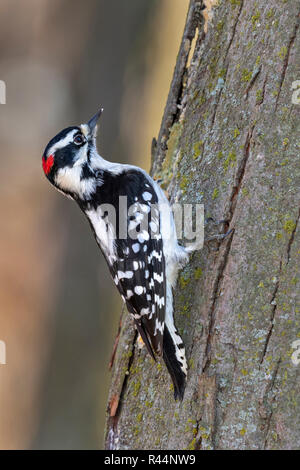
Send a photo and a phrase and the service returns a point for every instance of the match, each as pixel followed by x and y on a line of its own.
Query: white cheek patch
pixel 69 180
pixel 62 143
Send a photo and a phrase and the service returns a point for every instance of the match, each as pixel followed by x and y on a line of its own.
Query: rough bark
pixel 230 140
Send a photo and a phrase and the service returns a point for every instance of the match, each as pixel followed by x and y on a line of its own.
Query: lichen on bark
pixel 230 140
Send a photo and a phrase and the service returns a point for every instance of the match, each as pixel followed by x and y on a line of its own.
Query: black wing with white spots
pixel 138 269
pixel 136 260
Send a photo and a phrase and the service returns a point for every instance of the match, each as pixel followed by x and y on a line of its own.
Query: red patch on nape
pixel 48 164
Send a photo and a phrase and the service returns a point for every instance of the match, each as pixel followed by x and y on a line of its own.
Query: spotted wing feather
pixel 138 269
pixel 140 278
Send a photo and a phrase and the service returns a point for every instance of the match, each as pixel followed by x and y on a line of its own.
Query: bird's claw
pixel 218 237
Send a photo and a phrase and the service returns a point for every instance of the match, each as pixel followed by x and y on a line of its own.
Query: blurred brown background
pixel 59 310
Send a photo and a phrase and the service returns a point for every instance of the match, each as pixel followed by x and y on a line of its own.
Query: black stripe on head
pixel 59 137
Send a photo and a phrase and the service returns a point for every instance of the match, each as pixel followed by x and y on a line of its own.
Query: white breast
pixel 105 232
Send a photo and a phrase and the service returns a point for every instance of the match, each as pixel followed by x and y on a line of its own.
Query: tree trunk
pixel 229 140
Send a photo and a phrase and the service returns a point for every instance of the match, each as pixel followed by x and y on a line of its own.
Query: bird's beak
pixel 92 124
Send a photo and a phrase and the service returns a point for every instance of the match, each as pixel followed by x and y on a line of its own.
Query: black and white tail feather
pixel 145 267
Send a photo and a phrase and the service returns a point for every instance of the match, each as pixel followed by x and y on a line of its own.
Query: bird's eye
pixel 78 139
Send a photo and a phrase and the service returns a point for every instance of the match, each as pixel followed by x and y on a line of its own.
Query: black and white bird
pixel 143 260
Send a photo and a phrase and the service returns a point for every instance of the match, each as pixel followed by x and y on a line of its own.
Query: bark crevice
pixel 172 109
pixel 287 57
pixel 215 291
pixel 266 414
pixel 273 302
pixel 291 240
pixel 234 28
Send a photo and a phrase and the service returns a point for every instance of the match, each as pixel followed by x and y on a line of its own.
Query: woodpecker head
pixel 66 159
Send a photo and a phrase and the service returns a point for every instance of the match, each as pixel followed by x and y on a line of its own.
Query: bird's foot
pixel 219 237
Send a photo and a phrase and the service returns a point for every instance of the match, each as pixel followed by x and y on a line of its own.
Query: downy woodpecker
pixel 144 266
